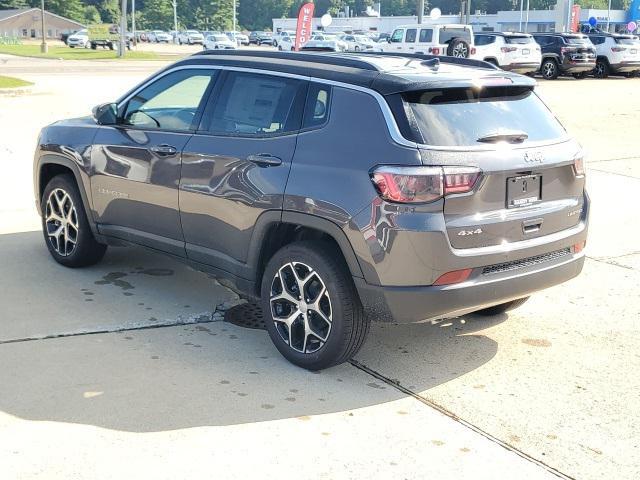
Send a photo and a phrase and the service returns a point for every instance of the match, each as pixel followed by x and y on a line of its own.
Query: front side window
pixel 170 103
pixel 398 35
pixel 411 35
pixel 255 104
pixel 464 116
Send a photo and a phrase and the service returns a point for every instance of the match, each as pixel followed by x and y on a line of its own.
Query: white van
pixel 454 40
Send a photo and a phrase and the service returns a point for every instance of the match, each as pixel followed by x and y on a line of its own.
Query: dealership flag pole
pixel 44 48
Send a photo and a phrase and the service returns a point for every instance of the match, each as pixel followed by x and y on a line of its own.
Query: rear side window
pixel 597 40
pixel 461 116
pixel 411 35
pixel 447 34
pixel 254 104
pixel 625 41
pixel 577 40
pixel 316 111
pixel 518 40
pixel 426 35
pixel 481 40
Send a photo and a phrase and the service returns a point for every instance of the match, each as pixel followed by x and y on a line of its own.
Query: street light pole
pixel 175 20
pixel 44 48
pixel 133 21
pixel 234 19
pixel 520 24
pixel 123 30
pixel 608 14
pixel 420 10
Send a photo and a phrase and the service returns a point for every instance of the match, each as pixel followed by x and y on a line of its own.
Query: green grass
pixel 67 53
pixel 10 82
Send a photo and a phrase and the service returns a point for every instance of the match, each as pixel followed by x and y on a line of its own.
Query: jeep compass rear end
pixel 335 189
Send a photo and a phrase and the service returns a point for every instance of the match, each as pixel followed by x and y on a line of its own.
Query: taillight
pixel 618 49
pixel 564 50
pixel 508 49
pixel 422 184
pixel 473 50
pixel 434 50
pixel 578 166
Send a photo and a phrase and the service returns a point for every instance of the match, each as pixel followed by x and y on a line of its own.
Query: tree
pixel 259 15
pixel 8 4
pixel 157 14
pixel 91 15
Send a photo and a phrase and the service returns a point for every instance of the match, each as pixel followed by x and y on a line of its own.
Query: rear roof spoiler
pixel 464 62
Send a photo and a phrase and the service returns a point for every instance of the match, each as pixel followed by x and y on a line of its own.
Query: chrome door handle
pixel 164 150
pixel 265 159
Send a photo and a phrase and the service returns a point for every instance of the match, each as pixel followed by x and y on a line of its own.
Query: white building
pixel 503 21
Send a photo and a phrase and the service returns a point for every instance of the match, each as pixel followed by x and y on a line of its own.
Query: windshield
pixel 363 39
pixel 518 40
pixel 220 38
pixel 462 116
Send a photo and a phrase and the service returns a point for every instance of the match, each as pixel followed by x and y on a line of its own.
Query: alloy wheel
pixel 460 51
pixel 599 70
pixel 549 69
pixel 301 307
pixel 61 221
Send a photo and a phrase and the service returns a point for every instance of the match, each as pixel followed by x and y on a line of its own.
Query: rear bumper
pixel 415 304
pixel 577 66
pixel 625 67
pixel 522 67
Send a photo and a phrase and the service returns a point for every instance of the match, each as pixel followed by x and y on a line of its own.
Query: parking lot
pixel 123 369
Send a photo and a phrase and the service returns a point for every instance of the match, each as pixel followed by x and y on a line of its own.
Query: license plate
pixel 523 191
pixel 525 51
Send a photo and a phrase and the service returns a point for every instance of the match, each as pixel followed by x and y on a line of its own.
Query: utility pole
pixel 526 22
pixel 175 20
pixel 468 19
pixel 133 21
pixel 520 24
pixel 608 15
pixel 123 30
pixel 234 19
pixel 44 48
pixel 420 10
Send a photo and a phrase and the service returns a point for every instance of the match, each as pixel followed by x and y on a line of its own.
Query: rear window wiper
pixel 510 136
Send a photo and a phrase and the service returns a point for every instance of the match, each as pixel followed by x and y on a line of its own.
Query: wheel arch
pixel 272 234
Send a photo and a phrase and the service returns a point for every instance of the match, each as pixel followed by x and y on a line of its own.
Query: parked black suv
pixel 565 54
pixel 337 188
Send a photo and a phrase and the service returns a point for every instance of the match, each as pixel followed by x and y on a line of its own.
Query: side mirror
pixel 388 40
pixel 106 114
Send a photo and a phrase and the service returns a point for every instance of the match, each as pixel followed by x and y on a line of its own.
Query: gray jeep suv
pixel 335 188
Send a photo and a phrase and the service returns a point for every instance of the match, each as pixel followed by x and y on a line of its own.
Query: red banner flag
pixel 575 18
pixel 303 30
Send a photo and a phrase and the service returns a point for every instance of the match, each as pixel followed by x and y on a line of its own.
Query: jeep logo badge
pixel 534 157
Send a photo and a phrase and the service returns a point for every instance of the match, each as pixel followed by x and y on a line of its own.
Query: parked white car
pixel 287 43
pixel 517 52
pixel 79 39
pixel 341 45
pixel 360 43
pixel 278 37
pixel 190 37
pixel 616 54
pixel 159 36
pixel 219 41
pixel 239 37
pixel 454 40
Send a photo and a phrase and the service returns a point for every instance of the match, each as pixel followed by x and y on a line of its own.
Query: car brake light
pixel 434 50
pixel 473 50
pixel 578 166
pixel 422 184
pixel 508 49
pixel 618 49
pixel 568 50
pixel 456 276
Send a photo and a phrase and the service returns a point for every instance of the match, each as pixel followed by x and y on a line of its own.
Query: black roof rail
pixel 313 57
pixel 465 62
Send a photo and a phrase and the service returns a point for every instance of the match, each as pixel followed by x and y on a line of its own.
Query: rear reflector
pixel 456 276
pixel 578 247
pixel 578 166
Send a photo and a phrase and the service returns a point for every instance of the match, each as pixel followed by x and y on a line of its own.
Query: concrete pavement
pixel 165 392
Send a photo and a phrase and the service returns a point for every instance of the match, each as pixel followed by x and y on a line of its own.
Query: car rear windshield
pixel 462 116
pixel 626 41
pixel 577 40
pixel 518 40
pixel 447 34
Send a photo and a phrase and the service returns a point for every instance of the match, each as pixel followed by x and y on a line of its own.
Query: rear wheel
pixel 602 69
pixel 311 307
pixel 65 226
pixel 549 69
pixel 503 307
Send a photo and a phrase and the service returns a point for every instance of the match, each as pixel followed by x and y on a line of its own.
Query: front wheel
pixel 66 229
pixel 311 308
pixel 503 307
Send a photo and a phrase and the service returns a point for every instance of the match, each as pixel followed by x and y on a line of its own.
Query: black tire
pixel 87 250
pixel 549 69
pixel 458 48
pixel 503 307
pixel 348 327
pixel 493 62
pixel 602 69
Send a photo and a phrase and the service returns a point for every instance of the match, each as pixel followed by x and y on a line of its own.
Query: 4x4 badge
pixel 534 157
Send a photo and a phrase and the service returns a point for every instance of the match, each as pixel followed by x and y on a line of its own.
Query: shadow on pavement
pixel 183 376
